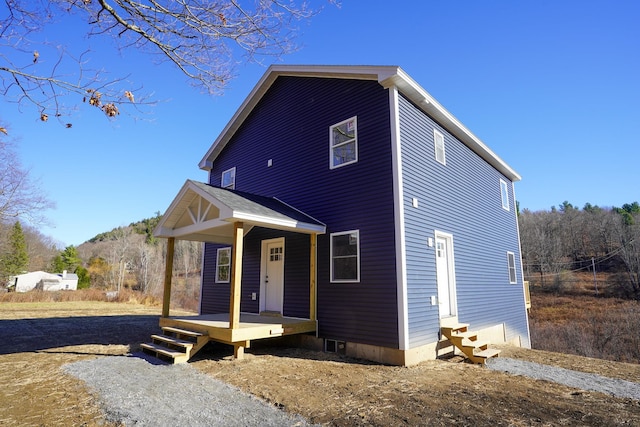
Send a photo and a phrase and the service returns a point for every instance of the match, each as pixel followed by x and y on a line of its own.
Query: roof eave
pixel 387 76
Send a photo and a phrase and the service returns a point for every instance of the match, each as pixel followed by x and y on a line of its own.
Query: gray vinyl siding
pixel 290 126
pixel 461 198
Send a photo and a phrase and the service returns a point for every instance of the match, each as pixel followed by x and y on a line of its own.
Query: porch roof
pixel 202 212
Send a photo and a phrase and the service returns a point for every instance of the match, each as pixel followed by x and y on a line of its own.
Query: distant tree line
pixel 569 239
pixel 555 243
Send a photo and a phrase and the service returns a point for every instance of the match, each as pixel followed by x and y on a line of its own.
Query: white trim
pixel 526 313
pixel 226 248
pixel 263 271
pixel 510 256
pixel 275 223
pixel 354 119
pixel 438 136
pixel 387 76
pixel 451 267
pixel 342 233
pixel 401 253
pixel 504 195
pixel 232 172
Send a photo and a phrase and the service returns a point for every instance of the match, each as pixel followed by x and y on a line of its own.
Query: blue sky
pixel 552 87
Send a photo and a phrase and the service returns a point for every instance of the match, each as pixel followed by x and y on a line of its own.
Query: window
pixel 438 141
pixel 223 265
pixel 345 256
pixel 343 143
pixel 504 193
pixel 511 261
pixel 228 179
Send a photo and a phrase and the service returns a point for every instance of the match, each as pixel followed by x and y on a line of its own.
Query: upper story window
pixel 223 265
pixel 438 142
pixel 511 263
pixel 228 179
pixel 345 256
pixel 343 145
pixel 504 194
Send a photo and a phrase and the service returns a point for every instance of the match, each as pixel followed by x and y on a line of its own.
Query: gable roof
pixel 205 213
pixel 388 76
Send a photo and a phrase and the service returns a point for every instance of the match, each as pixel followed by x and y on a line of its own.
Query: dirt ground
pixel 36 339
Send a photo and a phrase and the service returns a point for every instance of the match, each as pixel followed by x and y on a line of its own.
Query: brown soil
pixel 37 339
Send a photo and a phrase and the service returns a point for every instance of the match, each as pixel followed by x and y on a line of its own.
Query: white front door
pixel 445 276
pixel 272 275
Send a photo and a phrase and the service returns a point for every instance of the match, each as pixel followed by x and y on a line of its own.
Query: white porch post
pixel 168 272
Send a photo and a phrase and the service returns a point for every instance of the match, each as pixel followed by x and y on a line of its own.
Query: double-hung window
pixel 511 264
pixel 345 256
pixel 438 142
pixel 223 265
pixel 228 179
pixel 504 194
pixel 343 145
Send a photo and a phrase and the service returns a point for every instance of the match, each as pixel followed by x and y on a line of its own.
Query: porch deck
pixel 251 326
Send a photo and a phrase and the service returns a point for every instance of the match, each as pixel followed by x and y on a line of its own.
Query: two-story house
pixel 347 198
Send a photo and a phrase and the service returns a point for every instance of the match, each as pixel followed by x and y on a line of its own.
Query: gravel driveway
pixel 136 391
pixel 579 380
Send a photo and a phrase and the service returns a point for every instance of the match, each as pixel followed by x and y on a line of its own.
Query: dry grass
pixel 604 328
pixel 125 295
pixel 324 387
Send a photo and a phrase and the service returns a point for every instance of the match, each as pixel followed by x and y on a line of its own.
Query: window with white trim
pixel 511 263
pixel 345 256
pixel 343 144
pixel 438 143
pixel 223 265
pixel 228 179
pixel 504 194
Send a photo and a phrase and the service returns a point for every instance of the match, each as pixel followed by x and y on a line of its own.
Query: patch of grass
pixel 36 296
pixel 604 328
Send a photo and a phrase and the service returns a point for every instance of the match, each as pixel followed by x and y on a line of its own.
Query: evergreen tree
pixel 68 260
pixel 84 279
pixel 16 260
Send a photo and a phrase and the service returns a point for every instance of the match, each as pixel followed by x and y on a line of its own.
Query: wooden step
pixel 181 333
pixel 172 343
pixel 457 328
pixel 481 357
pixel 164 353
pixel 471 336
pixel 490 352
pixel 481 345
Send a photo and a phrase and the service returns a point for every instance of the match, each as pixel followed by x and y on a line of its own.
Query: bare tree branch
pixel 20 196
pixel 203 39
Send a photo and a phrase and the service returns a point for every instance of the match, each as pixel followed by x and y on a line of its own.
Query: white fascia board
pixel 173 206
pixel 289 224
pixel 165 221
pixel 363 72
pixel 387 76
pixel 410 88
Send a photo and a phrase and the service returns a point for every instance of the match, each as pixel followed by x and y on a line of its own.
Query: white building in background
pixel 44 281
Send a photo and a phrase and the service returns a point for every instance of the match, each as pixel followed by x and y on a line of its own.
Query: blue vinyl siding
pixel 215 296
pixel 463 199
pixel 290 126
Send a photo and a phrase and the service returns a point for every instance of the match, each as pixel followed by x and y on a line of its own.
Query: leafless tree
pixel 148 267
pixel 20 196
pixel 204 39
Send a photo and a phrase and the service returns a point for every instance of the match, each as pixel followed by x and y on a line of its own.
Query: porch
pixel 205 213
pixel 250 326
